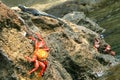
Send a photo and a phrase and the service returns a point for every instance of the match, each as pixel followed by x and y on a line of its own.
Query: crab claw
pixel 32 38
pixel 28 59
pixel 31 59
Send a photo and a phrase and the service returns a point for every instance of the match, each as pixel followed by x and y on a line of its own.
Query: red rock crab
pixel 39 55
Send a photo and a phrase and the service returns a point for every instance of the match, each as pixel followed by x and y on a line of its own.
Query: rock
pixel 69 6
pixel 6 70
pixel 80 18
pixel 71 55
pixel 56 71
pixel 106 59
pixel 74 17
pixel 112 73
pixel 6 15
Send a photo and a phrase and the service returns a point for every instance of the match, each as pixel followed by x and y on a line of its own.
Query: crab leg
pixel 43 66
pixel 42 43
pixel 31 60
pixel 36 42
pixel 39 37
pixel 36 67
pixel 46 48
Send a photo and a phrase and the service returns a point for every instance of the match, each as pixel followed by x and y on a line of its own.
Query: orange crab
pixel 108 50
pixel 39 56
pixel 96 43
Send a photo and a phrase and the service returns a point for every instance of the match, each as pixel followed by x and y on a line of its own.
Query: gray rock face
pixel 107 59
pixel 6 70
pixel 80 18
pixel 74 17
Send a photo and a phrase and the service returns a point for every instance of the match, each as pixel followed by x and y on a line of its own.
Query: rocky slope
pixel 71 56
pixel 108 18
pixel 105 13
